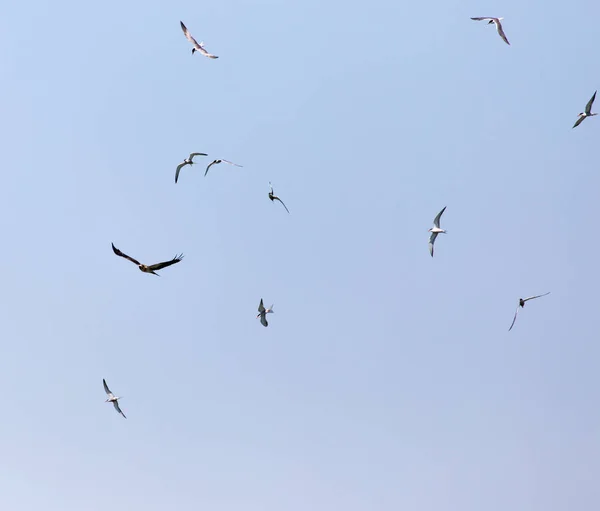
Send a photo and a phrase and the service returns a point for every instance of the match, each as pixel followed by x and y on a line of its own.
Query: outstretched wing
pixel 482 19
pixel 436 220
pixel 197 154
pixel 189 36
pixel 261 307
pixel 106 389
pixel 270 188
pixel 263 319
pixel 501 31
pixel 179 167
pixel 231 163
pixel 205 53
pixel 121 254
pixel 588 107
pixel 538 296
pixel 514 319
pixel 116 405
pixel 432 241
pixel 209 166
pixel 160 266
pixel 579 121
pixel 277 198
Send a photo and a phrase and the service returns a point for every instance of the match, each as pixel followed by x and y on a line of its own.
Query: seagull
pixel 522 304
pixel 112 398
pixel 262 313
pixel 588 111
pixel 197 47
pixel 215 162
pixel 435 230
pixel 151 268
pixel 274 197
pixel 187 161
pixel 498 26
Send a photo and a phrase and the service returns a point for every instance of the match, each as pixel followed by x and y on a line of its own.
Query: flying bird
pixel 215 162
pixel 496 21
pixel 187 161
pixel 435 230
pixel 262 313
pixel 522 304
pixel 588 111
pixel 112 398
pixel 197 46
pixel 148 269
pixel 274 197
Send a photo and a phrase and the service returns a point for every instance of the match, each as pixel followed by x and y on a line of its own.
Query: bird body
pixel 148 268
pixel 522 302
pixel 588 111
pixel 187 161
pixel 435 230
pixel 274 197
pixel 499 28
pixel 262 313
pixel 197 46
pixel 112 398
pixel 216 162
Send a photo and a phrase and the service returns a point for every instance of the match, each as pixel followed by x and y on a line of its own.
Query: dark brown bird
pixel 274 197
pixel 522 304
pixel 148 269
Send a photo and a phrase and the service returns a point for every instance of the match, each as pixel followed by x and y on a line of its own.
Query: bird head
pixel 430 229
pixel 193 50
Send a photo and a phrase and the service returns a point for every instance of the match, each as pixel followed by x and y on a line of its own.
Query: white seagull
pixel 522 304
pixel 262 313
pixel 197 46
pixel 215 162
pixel 187 161
pixel 588 111
pixel 496 21
pixel 435 230
pixel 112 398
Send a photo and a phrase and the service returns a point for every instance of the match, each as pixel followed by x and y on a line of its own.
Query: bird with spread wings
pixel 197 46
pixel 522 304
pixel 187 161
pixel 274 197
pixel 112 398
pixel 148 268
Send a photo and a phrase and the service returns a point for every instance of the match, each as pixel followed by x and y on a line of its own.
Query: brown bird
pixel 197 46
pixel 151 268
pixel 274 197
pixel 522 304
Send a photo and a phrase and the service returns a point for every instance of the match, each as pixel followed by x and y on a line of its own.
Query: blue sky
pixel 386 379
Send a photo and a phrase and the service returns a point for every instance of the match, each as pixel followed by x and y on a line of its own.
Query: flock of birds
pixel 262 311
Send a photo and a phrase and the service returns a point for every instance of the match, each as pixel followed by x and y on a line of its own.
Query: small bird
pixel 197 47
pixel 435 230
pixel 522 304
pixel 588 111
pixel 151 268
pixel 112 398
pixel 498 26
pixel 215 162
pixel 274 197
pixel 187 161
pixel 262 313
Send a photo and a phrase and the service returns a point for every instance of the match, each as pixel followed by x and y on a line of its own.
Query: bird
pixel 435 230
pixel 262 313
pixel 587 113
pixel 151 268
pixel 522 304
pixel 215 162
pixel 274 197
pixel 187 161
pixel 498 26
pixel 197 46
pixel 112 398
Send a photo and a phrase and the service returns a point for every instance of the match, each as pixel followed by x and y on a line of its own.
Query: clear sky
pixel 386 380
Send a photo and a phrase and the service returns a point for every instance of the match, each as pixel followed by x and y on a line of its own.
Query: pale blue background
pixel 386 380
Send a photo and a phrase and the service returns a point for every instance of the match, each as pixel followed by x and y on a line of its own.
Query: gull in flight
pixel 112 398
pixel 588 111
pixel 435 230
pixel 496 21
pixel 215 162
pixel 151 268
pixel 197 46
pixel 274 197
pixel 522 304
pixel 262 313
pixel 187 161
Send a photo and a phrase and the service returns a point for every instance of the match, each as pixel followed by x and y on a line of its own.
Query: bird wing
pixel 579 121
pixel 501 31
pixel 160 266
pixel 277 198
pixel 514 319
pixel 270 188
pixel 189 36
pixel 231 163
pixel 106 389
pixel 196 154
pixel 436 220
pixel 261 307
pixel 482 19
pixel 179 167
pixel 205 53
pixel 263 319
pixel 119 253
pixel 537 296
pixel 116 405
pixel 588 107
pixel 432 241
pixel 209 166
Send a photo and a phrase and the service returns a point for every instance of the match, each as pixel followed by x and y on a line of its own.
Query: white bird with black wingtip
pixel 112 398
pixel 435 230
pixel 496 21
pixel 262 313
